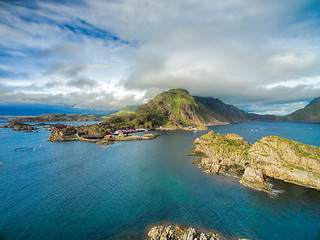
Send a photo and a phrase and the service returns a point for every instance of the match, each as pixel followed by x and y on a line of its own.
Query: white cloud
pixel 118 52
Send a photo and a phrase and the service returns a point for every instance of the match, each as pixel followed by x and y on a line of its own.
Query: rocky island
pixel 19 126
pixel 271 156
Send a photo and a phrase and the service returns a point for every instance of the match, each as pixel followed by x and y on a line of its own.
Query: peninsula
pixel 271 156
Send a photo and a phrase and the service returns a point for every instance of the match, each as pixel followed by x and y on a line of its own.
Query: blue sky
pixel 262 56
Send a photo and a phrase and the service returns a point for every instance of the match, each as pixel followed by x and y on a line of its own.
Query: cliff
pixel 271 156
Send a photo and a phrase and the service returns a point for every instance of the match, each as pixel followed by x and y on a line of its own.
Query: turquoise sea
pixel 74 190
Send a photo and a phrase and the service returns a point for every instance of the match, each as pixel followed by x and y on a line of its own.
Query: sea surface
pixel 76 190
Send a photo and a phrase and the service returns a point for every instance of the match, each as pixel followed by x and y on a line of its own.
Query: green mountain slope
pixel 310 113
pixel 176 108
pixel 126 110
pixel 221 111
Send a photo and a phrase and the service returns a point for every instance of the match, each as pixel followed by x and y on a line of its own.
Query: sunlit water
pixel 74 190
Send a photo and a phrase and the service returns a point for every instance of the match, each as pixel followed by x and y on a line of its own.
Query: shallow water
pixel 73 190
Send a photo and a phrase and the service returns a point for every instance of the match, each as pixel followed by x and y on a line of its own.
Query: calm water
pixel 74 190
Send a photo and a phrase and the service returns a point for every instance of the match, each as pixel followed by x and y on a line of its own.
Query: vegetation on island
pixel 271 156
pixel 19 126
pixel 126 110
pixel 176 109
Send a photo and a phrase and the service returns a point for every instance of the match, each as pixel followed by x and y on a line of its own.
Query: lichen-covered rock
pixel 254 178
pixel 222 153
pixel 20 126
pixel 62 135
pixel 179 233
pixel 287 160
pixel 271 156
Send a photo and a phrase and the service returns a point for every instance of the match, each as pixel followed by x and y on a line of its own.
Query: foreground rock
pixel 179 233
pixel 19 126
pixel 271 156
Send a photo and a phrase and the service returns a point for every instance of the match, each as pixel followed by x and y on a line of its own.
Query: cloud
pixel 110 53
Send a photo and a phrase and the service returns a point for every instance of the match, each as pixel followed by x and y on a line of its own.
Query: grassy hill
pixel 176 108
pixel 310 113
pixel 126 110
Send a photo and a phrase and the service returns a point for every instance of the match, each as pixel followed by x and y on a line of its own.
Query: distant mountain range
pixel 176 108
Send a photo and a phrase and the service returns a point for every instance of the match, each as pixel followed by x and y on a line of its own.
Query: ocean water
pixel 74 190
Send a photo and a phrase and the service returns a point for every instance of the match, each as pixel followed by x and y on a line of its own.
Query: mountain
pixel 176 108
pixel 310 113
pixel 126 110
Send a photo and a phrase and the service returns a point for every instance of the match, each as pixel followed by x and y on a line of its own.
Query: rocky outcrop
pixel 221 153
pixel 63 135
pixel 287 160
pixel 271 156
pixel 179 233
pixel 255 179
pixel 20 126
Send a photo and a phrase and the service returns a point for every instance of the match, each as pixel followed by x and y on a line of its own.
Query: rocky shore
pixel 271 156
pixel 176 232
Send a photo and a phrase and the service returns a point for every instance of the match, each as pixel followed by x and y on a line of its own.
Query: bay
pixel 74 190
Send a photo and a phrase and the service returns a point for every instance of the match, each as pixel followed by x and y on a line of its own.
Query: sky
pixel 261 56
